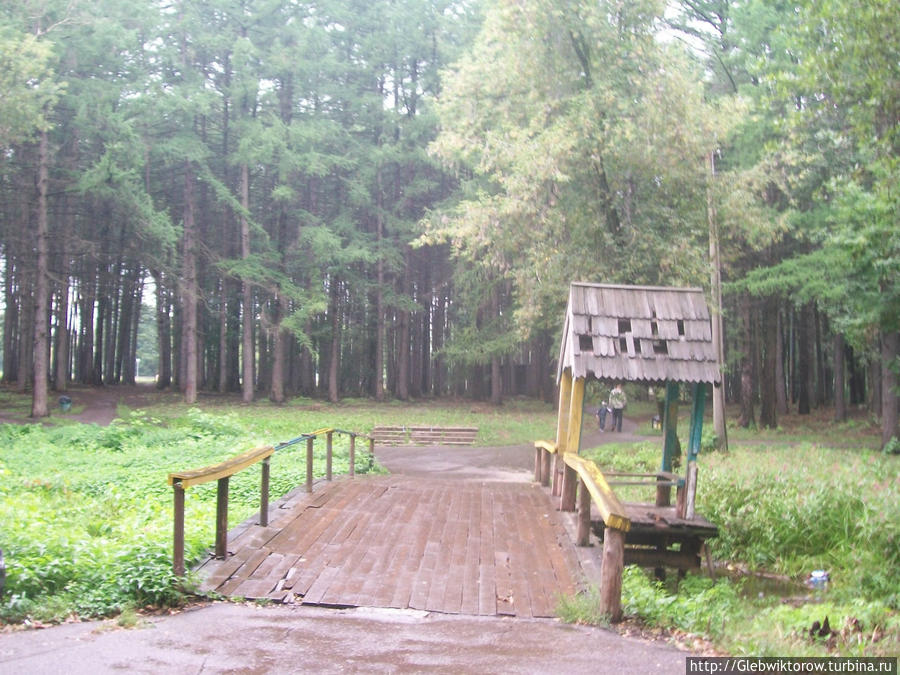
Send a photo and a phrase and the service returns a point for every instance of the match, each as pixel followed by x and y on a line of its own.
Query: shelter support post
pixel 562 430
pixel 696 437
pixel 572 443
pixel 670 441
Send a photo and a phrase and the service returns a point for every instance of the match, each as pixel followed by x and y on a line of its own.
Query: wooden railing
pixel 223 471
pixel 584 476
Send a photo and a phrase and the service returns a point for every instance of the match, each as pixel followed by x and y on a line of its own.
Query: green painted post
pixel 670 426
pixel 697 421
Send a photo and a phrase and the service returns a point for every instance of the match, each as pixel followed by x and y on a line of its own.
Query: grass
pixel 786 502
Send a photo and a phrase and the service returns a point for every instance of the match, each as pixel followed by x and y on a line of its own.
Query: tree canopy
pixel 336 198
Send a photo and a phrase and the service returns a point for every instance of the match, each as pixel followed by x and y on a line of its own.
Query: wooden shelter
pixel 662 337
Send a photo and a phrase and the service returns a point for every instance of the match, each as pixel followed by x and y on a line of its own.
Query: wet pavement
pixel 232 638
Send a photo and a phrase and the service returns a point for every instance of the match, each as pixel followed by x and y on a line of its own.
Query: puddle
pixel 762 585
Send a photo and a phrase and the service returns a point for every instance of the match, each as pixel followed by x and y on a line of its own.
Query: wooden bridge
pixel 452 530
pixel 443 545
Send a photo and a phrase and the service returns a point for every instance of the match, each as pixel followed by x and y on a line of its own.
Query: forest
pixel 389 198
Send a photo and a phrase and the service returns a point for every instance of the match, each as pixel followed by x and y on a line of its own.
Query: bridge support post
pixel 178 531
pixel 328 449
pixel 264 493
pixel 613 562
pixel 222 518
pixel 352 455
pixel 309 463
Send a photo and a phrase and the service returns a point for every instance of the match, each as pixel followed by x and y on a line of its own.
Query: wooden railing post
pixel 222 518
pixel 545 467
pixel 328 448
pixel 178 531
pixel 352 455
pixel 569 488
pixel 558 469
pixel 264 494
pixel 372 447
pixel 611 566
pixel 537 463
pixel 309 463
pixel 583 535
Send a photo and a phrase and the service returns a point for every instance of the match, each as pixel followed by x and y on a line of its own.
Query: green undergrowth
pixel 86 511
pixel 783 510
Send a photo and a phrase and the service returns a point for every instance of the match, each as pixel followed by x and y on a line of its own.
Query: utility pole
pixel 718 391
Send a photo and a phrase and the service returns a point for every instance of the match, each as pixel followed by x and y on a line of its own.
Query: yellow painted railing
pixel 223 471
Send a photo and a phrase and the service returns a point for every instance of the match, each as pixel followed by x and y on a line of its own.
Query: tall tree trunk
pixel 248 354
pixel 427 293
pixel 379 314
pixel 131 365
pixel 11 300
pixel 189 292
pixel 25 366
pixel 276 386
pixel 718 330
pixel 61 338
pixel 222 385
pixel 39 406
pixel 496 375
pixel 403 348
pixel 87 296
pixel 747 418
pixel 840 401
pixel 822 375
pixel 767 415
pixel 781 404
pixel 163 333
pixel 804 345
pixel 334 361
pixel 890 349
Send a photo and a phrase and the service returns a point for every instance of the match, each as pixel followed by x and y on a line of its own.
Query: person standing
pixel 617 401
pixel 602 411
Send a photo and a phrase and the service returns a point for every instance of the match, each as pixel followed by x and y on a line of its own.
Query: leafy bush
pixel 795 509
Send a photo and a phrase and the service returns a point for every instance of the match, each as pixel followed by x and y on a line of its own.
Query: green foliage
pixel 701 605
pixel 782 507
pixel 739 623
pixel 28 86
pixel 798 508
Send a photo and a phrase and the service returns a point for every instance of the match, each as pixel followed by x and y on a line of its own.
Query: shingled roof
pixel 638 333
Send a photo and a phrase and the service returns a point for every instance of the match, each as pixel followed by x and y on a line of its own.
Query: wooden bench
pixel 424 435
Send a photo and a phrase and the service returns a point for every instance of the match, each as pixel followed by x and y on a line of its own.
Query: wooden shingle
pixel 638 333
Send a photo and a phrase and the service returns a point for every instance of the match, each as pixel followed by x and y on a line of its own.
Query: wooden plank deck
pixel 449 546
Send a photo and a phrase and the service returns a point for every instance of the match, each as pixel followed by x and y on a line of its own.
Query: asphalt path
pixel 232 638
